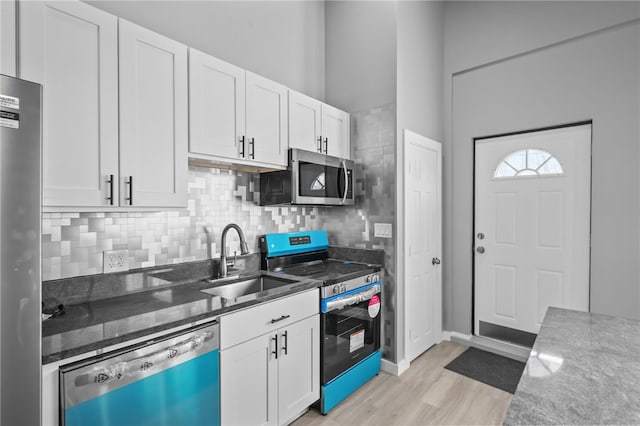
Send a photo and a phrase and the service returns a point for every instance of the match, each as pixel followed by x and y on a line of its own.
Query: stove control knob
pixel 335 289
pixel 376 277
pixel 369 279
pixel 344 288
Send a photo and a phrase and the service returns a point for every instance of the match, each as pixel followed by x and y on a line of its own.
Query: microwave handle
pixel 346 181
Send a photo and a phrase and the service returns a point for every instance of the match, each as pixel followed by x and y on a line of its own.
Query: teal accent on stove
pixel 187 394
pixel 296 242
pixel 345 384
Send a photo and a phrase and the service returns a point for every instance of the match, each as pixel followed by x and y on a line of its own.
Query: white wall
pixel 360 58
pixel 513 66
pixel 281 40
pixel 420 68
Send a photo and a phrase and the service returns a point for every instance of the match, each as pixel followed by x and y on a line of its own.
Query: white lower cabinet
pixel 273 377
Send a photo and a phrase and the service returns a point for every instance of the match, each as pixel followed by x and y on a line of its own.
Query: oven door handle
pixel 350 300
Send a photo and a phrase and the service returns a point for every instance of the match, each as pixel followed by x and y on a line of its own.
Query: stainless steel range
pixel 350 301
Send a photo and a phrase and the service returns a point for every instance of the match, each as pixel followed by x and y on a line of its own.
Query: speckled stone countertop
pixel 101 323
pixel 583 369
pixel 107 309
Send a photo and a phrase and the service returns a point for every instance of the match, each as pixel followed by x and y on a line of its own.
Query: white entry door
pixel 532 219
pixel 423 242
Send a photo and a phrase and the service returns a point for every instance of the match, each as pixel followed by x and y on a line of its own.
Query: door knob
pixel 480 236
pixel 435 261
pixel 480 249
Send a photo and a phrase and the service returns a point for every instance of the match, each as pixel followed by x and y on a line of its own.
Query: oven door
pixel 350 329
pixel 321 179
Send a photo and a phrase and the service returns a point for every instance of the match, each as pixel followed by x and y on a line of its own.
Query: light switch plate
pixel 115 261
pixel 382 230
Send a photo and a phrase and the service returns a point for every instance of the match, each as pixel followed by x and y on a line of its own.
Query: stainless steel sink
pixel 243 287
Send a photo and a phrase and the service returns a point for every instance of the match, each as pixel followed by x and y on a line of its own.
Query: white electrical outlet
pixel 382 230
pixel 115 261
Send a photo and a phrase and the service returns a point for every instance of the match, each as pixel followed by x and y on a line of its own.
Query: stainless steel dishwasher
pixel 173 380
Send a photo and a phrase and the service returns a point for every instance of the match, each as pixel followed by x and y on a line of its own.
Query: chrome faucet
pixel 244 249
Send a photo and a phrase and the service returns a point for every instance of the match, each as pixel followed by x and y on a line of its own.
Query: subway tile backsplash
pixel 73 243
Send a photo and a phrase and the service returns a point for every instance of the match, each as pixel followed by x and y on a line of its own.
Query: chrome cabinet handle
pixel 129 182
pixel 110 197
pixel 346 181
pixel 252 145
pixel 435 261
pixel 275 340
pixel 320 144
pixel 286 342
pixel 284 317
pixel 242 146
pixel 326 145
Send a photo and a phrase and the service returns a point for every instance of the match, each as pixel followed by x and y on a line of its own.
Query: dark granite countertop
pixel 96 324
pixel 583 369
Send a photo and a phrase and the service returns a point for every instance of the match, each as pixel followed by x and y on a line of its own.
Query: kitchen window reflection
pixel 318 183
pixel 542 364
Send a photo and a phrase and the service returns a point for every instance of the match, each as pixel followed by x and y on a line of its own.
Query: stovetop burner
pixel 305 254
pixel 329 270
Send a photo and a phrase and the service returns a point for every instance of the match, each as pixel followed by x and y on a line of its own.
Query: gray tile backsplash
pixel 73 243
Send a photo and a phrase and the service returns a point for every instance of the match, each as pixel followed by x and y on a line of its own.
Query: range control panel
pixel 288 243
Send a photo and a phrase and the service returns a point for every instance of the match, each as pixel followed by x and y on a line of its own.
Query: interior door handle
pixel 435 261
pixel 480 249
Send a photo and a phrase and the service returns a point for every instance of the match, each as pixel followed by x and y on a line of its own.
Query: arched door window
pixel 528 162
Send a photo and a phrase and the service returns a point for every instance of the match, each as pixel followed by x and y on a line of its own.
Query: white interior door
pixel 532 219
pixel 423 242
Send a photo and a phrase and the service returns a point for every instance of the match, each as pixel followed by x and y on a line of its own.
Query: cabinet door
pixel 299 368
pixel 266 120
pixel 153 118
pixel 304 122
pixel 71 49
pixel 249 382
pixel 335 131
pixel 216 106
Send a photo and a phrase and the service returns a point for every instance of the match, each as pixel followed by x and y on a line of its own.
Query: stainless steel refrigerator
pixel 20 278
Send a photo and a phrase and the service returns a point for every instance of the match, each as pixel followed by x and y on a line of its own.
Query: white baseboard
pixel 393 368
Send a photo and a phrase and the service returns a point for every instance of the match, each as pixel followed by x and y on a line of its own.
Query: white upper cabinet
pixel 216 106
pixel 235 114
pixel 304 122
pixel 71 49
pixel 153 118
pixel 266 120
pixel 316 126
pixel 335 132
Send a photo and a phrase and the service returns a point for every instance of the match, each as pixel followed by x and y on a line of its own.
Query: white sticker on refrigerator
pixel 356 341
pixel 9 102
pixel 9 119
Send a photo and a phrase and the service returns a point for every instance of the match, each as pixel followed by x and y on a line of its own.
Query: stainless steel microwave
pixel 311 178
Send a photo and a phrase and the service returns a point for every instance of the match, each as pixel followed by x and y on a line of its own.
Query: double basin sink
pixel 252 286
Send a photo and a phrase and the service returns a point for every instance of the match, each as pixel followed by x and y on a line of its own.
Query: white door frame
pixel 473 236
pixel 404 264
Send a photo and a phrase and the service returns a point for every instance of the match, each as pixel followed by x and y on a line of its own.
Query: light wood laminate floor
pixel 425 394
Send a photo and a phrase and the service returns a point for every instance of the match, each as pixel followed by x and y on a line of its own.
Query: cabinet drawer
pixel 238 327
